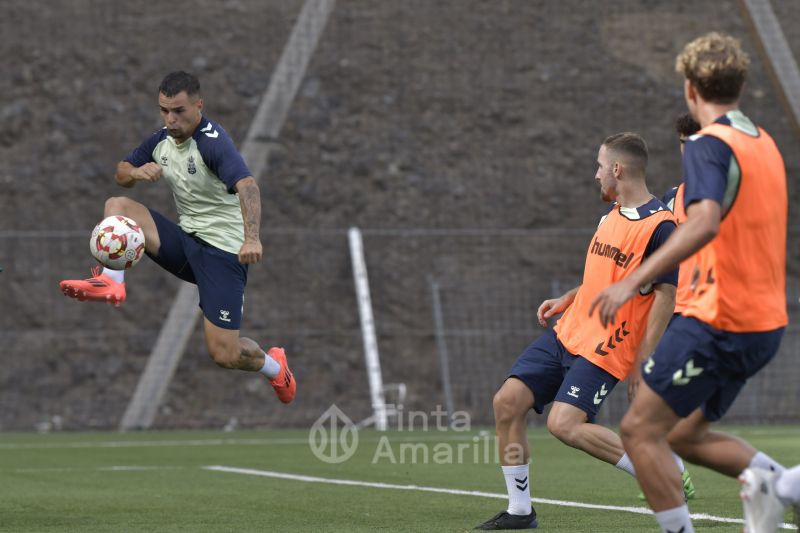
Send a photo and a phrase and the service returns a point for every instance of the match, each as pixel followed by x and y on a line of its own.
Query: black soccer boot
pixel 504 520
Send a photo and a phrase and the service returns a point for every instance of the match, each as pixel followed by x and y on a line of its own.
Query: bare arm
pixel 127 175
pixel 701 226
pixel 657 320
pixel 250 202
pixel 555 306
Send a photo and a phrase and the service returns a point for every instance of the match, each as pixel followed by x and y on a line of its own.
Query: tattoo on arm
pixel 250 200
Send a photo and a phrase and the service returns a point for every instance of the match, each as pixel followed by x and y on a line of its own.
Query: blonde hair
pixel 716 65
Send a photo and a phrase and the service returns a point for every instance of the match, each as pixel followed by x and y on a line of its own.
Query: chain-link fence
pixel 78 363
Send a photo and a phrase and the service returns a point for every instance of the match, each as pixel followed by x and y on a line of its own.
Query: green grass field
pixel 158 481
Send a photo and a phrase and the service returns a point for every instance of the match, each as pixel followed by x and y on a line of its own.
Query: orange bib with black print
pixel 684 292
pixel 615 251
pixel 738 283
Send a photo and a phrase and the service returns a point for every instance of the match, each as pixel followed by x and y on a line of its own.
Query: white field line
pixel 438 490
pixel 113 468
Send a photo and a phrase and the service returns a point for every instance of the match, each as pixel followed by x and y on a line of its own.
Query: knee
pixel 680 443
pixel 507 407
pixel 561 427
pixel 628 428
pixel 117 205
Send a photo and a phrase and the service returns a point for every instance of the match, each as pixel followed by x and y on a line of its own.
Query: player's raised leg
pixel 231 351
pixel 570 425
pixel 139 213
pixel 109 285
pixel 694 440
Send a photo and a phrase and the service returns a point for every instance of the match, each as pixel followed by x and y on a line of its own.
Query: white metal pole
pixel 367 328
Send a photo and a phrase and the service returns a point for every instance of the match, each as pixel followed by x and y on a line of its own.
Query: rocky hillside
pixel 447 115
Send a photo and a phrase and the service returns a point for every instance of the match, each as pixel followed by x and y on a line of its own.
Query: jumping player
pixel 217 235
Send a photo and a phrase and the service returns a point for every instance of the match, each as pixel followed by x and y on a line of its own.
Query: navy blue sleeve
pixel 222 157
pixel 706 161
pixel 659 237
pixel 669 198
pixel 144 152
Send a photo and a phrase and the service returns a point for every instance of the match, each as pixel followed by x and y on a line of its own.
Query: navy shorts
pixel 695 365
pixel 552 373
pixel 219 276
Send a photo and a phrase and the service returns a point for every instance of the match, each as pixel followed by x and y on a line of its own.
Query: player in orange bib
pixel 735 233
pixel 685 127
pixel 577 364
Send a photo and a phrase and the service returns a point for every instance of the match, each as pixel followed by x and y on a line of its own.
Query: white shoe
pixel 763 511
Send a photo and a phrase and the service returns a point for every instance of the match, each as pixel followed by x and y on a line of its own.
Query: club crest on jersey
pixel 164 161
pixel 190 167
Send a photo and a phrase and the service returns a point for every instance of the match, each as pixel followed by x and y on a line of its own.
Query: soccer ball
pixel 117 242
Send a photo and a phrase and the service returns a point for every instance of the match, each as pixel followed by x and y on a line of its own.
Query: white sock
pixel 765 462
pixel 675 520
pixel 679 462
pixel 116 275
pixel 788 486
pixel 625 464
pixel 519 489
pixel 271 367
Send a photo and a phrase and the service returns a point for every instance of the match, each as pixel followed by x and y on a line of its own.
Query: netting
pixel 80 362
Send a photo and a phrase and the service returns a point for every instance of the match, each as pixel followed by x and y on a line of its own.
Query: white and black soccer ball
pixel 117 242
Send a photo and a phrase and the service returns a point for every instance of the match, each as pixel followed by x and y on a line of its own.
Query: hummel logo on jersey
pixel 164 161
pixel 682 378
pixel 612 252
pixel 522 484
pixel 207 130
pixel 648 367
pixel 599 395
pixel 573 391
pixel 619 335
pixel 190 168
pixel 224 315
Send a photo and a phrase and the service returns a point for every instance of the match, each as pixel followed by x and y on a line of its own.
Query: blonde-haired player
pixel 735 229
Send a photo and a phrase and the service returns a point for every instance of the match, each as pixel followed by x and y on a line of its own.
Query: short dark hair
pixel 686 126
pixel 177 82
pixel 631 147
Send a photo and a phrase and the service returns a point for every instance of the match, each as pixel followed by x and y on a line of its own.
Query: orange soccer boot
pixel 284 384
pixel 98 288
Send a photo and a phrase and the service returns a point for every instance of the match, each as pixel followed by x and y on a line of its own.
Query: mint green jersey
pixel 202 172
